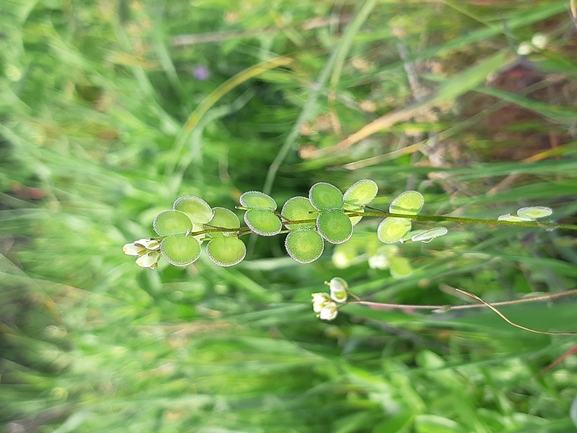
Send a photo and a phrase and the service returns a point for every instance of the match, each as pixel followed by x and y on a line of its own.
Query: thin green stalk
pixel 383 214
pixel 460 220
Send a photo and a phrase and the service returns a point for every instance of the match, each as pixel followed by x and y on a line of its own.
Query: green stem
pixel 459 220
pixel 241 231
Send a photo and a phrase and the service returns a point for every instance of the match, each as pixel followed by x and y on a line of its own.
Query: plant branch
pixel 460 220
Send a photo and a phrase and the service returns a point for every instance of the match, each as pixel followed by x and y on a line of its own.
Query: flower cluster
pixel 326 305
pixel 147 251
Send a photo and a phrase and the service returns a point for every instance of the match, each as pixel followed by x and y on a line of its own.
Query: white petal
pixel 338 284
pixel 329 311
pixel 149 244
pixel 133 249
pixel 319 301
pixel 148 260
pixel 321 298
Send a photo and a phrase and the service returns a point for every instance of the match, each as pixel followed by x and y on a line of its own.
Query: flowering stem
pixel 459 220
pixel 378 213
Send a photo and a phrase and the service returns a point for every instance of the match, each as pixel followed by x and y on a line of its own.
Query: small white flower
pixel 319 301
pixel 133 249
pixel 329 311
pixel 338 288
pixel 148 260
pixel 525 48
pixel 146 250
pixel 379 261
pixel 540 40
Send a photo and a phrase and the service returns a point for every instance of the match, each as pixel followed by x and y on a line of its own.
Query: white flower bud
pixel 540 40
pixel 329 311
pixel 525 48
pixel 338 288
pixel 133 249
pixel 319 301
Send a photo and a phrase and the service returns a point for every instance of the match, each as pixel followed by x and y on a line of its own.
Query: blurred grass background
pixel 111 109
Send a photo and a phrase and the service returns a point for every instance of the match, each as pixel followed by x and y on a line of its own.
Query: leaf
pixel 472 77
pixel 392 230
pixel 325 196
pixel 304 246
pixel 171 222
pixel 573 411
pixel 180 250
pixel 407 203
pixel 335 227
pixel 426 423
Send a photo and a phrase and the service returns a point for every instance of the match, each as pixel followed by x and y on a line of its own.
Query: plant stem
pixel 446 308
pixel 483 303
pixel 459 220
pixel 383 214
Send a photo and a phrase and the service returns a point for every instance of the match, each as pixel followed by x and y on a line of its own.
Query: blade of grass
pixel 214 97
pixel 308 108
pixel 452 88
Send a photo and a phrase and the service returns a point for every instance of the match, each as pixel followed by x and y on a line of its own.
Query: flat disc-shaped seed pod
pixel 299 209
pixel 335 227
pixel 392 230
pixel 304 246
pixel 407 203
pixel 325 196
pixel 428 235
pixel 513 218
pixel 171 222
pixel 361 193
pixel 400 267
pixel 196 208
pixel 534 212
pixel 180 250
pixel 223 218
pixel 263 222
pixel 226 251
pixel 257 200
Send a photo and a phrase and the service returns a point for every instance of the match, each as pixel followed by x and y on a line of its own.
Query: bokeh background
pixel 111 109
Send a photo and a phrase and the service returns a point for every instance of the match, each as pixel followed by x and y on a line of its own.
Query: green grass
pixel 103 125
